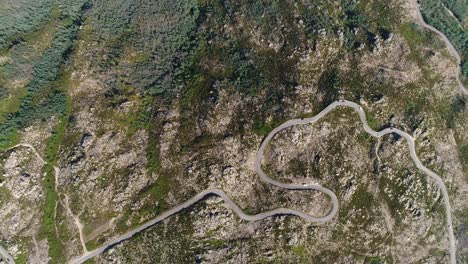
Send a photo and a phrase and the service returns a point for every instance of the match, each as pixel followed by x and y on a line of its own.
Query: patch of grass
pixel 23 16
pixel 11 103
pixel 48 222
pixel 197 90
pixel 93 244
pixel 21 258
pixel 329 85
pixel 264 128
pixel 48 229
pixel 449 112
pixel 8 138
pixel 463 154
pixel 5 194
pixel 56 138
pixel 216 244
pixel 160 188
pixel 415 38
pixel 152 156
pixel 300 252
pixel 371 121
pixel 362 199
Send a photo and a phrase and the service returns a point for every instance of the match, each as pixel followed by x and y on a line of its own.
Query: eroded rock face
pixel 21 198
pixel 109 167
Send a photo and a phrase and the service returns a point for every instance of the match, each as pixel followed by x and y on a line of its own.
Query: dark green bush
pixel 329 85
pixel 42 99
pixel 435 13
pixel 22 16
pixel 143 26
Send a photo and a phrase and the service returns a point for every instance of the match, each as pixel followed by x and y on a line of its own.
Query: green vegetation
pixel 155 71
pixel 437 14
pixel 450 113
pixel 362 199
pixel 463 154
pixel 216 243
pixel 416 38
pixel 159 190
pixel 48 220
pixel 42 100
pixel 22 258
pixel 453 109
pixel 48 223
pixel 374 260
pixel 22 16
pixel 301 253
pixel 459 10
pixel 93 244
pixel 264 128
pixel 372 122
pixel 11 104
pixel 5 194
pixel 329 85
pixel 197 90
pixel 152 156
pixel 46 96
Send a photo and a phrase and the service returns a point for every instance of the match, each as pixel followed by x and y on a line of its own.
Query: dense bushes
pixel 161 32
pixel 42 99
pixel 451 112
pixel 435 12
pixel 458 7
pixel 329 85
pixel 19 17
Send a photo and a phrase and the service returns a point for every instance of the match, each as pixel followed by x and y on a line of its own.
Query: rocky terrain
pixel 135 106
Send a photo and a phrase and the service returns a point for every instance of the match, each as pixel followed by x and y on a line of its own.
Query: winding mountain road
pixel 286 211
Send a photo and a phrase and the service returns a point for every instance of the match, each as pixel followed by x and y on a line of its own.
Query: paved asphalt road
pixel 5 256
pixel 285 211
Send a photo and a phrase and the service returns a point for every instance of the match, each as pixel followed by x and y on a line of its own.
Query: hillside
pixel 113 112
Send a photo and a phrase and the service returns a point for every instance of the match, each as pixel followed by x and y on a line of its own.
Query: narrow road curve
pixel 444 38
pixel 5 256
pixel 286 211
